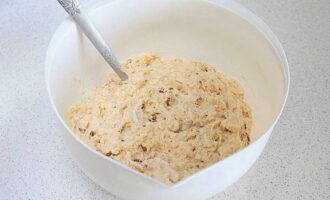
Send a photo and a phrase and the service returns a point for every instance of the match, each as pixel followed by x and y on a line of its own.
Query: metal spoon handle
pixel 73 8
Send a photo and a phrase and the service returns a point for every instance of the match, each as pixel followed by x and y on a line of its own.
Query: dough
pixel 171 118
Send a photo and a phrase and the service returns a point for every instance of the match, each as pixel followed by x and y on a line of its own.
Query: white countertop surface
pixel 34 163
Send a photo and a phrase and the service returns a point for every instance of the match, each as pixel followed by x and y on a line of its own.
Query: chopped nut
pixel 199 101
pixel 168 101
pixel 248 138
pixel 81 129
pixel 154 117
pixel 143 106
pixel 116 154
pixel 192 137
pixel 92 133
pixel 161 90
pixel 109 153
pixel 143 148
pixel 137 160
pixel 126 125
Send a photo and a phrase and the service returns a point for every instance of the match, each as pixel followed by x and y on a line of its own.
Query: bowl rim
pixel 247 15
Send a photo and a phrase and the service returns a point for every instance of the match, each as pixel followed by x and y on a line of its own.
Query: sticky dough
pixel 172 118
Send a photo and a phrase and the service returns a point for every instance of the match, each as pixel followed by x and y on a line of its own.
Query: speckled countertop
pixel 34 163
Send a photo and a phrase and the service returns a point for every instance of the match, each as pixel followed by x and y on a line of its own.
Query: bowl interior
pixel 171 28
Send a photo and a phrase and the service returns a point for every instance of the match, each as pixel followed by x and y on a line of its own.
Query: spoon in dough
pixel 73 8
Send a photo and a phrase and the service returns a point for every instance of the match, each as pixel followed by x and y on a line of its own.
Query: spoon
pixel 73 8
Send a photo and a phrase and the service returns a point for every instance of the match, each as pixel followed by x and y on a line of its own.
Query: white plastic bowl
pixel 219 32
